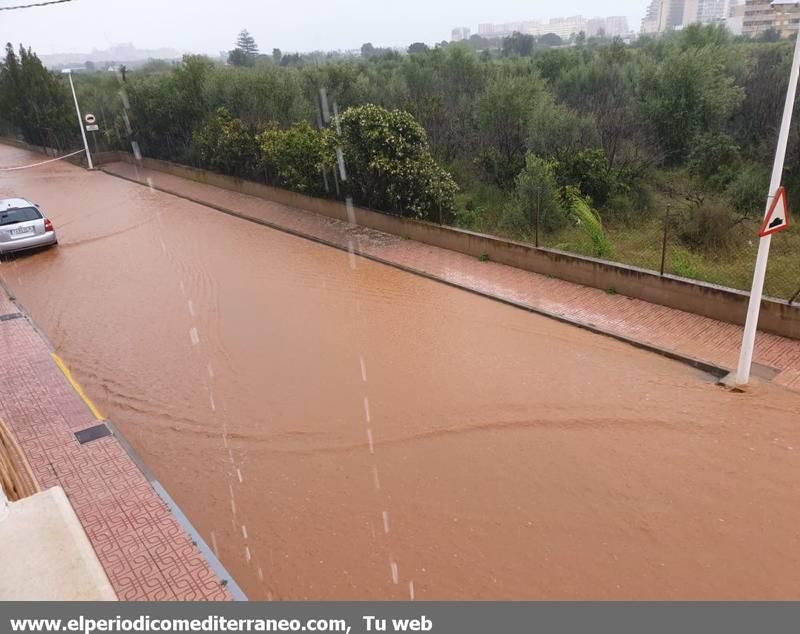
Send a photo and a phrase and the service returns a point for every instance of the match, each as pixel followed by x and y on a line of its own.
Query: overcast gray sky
pixel 292 25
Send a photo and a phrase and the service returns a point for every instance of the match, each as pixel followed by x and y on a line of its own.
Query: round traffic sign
pixel 90 118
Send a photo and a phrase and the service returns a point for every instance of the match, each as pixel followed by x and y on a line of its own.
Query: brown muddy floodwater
pixel 339 433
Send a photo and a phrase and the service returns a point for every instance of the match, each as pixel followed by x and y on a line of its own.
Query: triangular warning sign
pixel 777 217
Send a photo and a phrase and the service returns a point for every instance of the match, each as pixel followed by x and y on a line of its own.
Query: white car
pixel 23 226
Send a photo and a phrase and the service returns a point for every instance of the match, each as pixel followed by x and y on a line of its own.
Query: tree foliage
pixel 537 198
pixel 504 113
pixel 224 144
pixel 246 50
pixel 34 101
pixel 296 158
pixel 389 164
pixel 689 93
pixel 613 123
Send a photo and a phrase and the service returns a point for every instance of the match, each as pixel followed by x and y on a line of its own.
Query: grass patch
pixel 637 240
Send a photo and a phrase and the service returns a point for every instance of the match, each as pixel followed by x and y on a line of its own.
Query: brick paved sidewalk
pixel 667 328
pixel 146 553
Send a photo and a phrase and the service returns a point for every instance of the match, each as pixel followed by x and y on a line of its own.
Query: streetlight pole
pixel 757 292
pixel 68 72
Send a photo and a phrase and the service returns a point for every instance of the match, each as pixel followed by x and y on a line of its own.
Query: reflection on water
pixel 341 433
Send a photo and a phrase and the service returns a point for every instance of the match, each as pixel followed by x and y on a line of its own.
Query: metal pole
pixel 80 121
pixel 3 502
pixel 749 338
pixel 664 242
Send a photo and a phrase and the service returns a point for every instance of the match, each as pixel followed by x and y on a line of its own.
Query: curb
pixel 699 364
pixel 214 563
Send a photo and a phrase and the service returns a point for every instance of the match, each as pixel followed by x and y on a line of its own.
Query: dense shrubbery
pixel 536 195
pixel 33 102
pixel 226 145
pixel 709 227
pixel 389 165
pixel 296 158
pixel 689 116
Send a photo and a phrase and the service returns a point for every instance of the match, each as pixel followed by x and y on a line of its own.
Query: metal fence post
pixel 3 502
pixel 664 241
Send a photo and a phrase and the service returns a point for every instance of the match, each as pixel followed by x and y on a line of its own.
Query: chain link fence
pixel 667 243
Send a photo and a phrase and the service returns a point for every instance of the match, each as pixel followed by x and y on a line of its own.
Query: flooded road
pixel 363 433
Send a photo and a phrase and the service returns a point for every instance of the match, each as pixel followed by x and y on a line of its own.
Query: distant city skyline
pixel 563 26
pixel 304 25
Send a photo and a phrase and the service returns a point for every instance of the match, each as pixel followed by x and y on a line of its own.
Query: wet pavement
pixel 338 429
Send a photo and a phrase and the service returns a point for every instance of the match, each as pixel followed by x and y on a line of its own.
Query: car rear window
pixel 23 214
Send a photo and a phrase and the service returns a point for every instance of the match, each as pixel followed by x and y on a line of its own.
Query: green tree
pixel 439 88
pixel 34 101
pixel 504 112
pixel 246 50
pixel 588 171
pixel 688 93
pixel 749 189
pixel 418 47
pixel 550 39
pixel 166 108
pixel 389 164
pixel 225 145
pixel 602 88
pixel 237 57
pixel 247 43
pixel 556 131
pixel 715 159
pixel 520 44
pixel 770 35
pixel 536 195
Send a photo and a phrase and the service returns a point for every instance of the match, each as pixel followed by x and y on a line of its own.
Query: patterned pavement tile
pixel 144 550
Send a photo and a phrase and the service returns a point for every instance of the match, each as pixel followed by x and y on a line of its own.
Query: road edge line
pixel 175 510
pixel 76 386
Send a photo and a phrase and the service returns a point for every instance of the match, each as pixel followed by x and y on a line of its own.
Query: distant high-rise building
pixel 761 16
pixel 595 26
pixel 679 13
pixel 652 18
pixel 617 26
pixel 460 33
pixel 735 18
pixel 712 11
pixel 669 15
pixel 566 27
pixel 613 26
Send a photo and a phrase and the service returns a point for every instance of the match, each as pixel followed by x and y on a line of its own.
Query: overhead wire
pixel 34 4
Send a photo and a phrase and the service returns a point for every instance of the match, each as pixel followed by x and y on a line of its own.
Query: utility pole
pixel 68 72
pixel 757 292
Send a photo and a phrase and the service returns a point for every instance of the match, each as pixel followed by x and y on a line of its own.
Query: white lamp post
pixel 68 72
pixel 757 292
